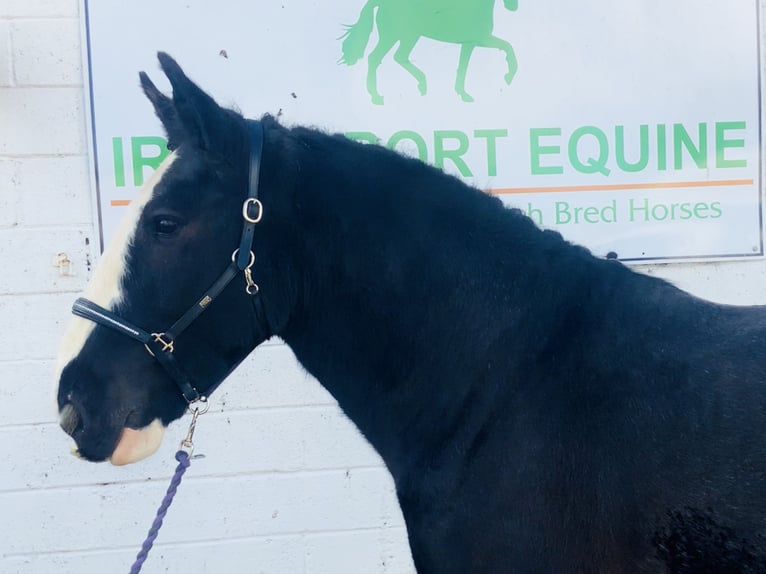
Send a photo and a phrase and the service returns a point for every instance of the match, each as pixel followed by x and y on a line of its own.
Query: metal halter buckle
pixel 246 210
pixel 167 346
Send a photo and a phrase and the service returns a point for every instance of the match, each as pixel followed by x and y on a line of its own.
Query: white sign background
pixel 584 68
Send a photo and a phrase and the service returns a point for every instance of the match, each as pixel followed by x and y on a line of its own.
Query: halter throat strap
pixel 161 345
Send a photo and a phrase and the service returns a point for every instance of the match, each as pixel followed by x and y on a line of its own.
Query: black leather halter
pixel 161 344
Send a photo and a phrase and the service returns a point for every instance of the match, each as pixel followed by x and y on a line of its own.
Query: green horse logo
pixel 465 22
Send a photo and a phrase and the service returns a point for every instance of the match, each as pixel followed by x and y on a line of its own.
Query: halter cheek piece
pixel 161 345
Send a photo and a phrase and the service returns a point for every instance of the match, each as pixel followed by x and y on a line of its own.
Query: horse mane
pixel 392 193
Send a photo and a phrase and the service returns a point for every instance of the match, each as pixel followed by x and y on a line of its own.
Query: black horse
pixel 540 409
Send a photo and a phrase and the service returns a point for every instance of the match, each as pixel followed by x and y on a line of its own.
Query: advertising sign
pixel 630 127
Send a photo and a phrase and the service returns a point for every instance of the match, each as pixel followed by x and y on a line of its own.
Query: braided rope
pixel 183 463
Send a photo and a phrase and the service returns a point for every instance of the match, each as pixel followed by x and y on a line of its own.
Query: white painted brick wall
pixel 53 62
pixel 285 484
pixel 42 121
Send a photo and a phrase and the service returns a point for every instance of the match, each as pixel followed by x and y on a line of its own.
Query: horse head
pixel 114 397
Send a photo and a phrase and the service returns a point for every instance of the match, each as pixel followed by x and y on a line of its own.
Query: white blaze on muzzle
pixel 105 288
pixel 137 444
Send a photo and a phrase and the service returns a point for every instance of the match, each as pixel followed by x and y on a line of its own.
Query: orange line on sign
pixel 119 202
pixel 623 186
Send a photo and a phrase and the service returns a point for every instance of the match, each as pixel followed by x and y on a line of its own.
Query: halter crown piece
pixel 161 345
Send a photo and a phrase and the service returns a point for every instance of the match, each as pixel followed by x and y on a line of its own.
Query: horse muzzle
pixel 120 446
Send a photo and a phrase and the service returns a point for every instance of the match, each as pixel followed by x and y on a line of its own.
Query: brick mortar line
pixel 20 156
pixel 43 229
pixel 160 480
pixel 56 226
pixel 62 291
pixel 18 87
pixel 15 18
pixel 300 534
pixel 35 294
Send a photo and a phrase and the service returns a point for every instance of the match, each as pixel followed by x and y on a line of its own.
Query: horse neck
pixel 395 281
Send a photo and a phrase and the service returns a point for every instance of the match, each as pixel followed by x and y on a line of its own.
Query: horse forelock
pixel 106 286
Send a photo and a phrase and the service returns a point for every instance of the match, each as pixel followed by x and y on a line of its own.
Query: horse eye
pixel 165 225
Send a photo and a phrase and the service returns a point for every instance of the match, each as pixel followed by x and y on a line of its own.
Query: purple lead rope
pixel 183 456
pixel 183 463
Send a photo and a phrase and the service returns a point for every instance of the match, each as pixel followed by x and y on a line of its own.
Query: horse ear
pixel 165 110
pixel 199 116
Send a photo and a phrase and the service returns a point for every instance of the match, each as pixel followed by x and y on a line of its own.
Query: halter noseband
pixel 161 345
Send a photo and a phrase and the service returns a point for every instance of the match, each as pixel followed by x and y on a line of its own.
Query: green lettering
pixel 660 212
pixel 454 155
pixel 562 213
pixel 721 144
pixel 662 152
pixel 140 161
pixel 536 150
pixel 592 164
pixel 119 162
pixel 682 139
pixel 491 136
pixel 637 211
pixel 643 154
pixel 700 210
pixel 535 214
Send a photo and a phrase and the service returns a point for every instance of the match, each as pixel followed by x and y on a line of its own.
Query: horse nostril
pixel 68 419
